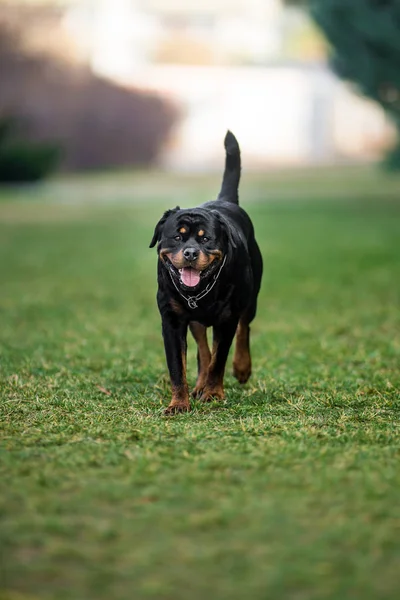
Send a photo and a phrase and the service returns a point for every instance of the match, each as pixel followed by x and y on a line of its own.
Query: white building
pixel 222 62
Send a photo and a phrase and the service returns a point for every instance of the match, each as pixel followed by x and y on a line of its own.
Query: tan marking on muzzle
pixel 215 254
pixel 202 262
pixel 164 253
pixel 177 259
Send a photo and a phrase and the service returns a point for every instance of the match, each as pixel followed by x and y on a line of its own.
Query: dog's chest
pixel 211 311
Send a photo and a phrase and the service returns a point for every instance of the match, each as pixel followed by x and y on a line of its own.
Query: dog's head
pixel 192 244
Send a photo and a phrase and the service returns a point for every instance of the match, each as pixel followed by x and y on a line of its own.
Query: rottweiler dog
pixel 209 275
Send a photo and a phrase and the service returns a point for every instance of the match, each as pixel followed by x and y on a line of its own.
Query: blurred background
pixel 89 84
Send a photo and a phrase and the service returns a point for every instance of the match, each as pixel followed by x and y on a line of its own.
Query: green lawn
pixel 288 490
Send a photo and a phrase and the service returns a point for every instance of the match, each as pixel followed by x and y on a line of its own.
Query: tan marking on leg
pixel 204 356
pixel 180 394
pixel 184 363
pixel 242 359
pixel 214 386
pixel 180 400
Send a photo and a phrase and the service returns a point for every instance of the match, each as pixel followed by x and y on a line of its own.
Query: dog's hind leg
pixel 242 358
pixel 199 333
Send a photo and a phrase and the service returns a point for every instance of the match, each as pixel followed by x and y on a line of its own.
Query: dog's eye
pixel 205 239
pixel 178 238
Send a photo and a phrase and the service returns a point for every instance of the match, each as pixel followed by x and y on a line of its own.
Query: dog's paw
pixel 197 391
pixel 177 407
pixel 212 394
pixel 242 372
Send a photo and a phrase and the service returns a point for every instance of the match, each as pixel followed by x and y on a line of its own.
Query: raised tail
pixel 230 181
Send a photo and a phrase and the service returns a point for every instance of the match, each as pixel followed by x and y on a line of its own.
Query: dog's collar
pixel 192 300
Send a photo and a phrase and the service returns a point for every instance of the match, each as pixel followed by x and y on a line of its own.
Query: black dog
pixel 209 274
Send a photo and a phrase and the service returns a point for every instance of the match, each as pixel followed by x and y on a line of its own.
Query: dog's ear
pixel 159 227
pixel 234 235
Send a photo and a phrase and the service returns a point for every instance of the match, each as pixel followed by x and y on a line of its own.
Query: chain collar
pixel 192 300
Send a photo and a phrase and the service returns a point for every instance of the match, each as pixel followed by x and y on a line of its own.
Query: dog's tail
pixel 230 181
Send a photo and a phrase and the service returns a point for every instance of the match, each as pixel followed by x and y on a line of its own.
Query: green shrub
pixel 23 161
pixel 392 158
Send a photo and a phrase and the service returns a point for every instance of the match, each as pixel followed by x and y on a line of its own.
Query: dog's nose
pixel 190 253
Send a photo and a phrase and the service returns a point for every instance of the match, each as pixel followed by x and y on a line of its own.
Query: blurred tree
pixel 365 48
pixel 96 122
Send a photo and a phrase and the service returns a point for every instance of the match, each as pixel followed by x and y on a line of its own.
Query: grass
pixel 290 489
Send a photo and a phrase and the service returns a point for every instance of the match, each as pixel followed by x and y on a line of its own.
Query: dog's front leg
pixel 223 335
pixel 175 344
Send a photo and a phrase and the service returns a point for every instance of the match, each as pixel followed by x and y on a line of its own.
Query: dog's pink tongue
pixel 190 277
